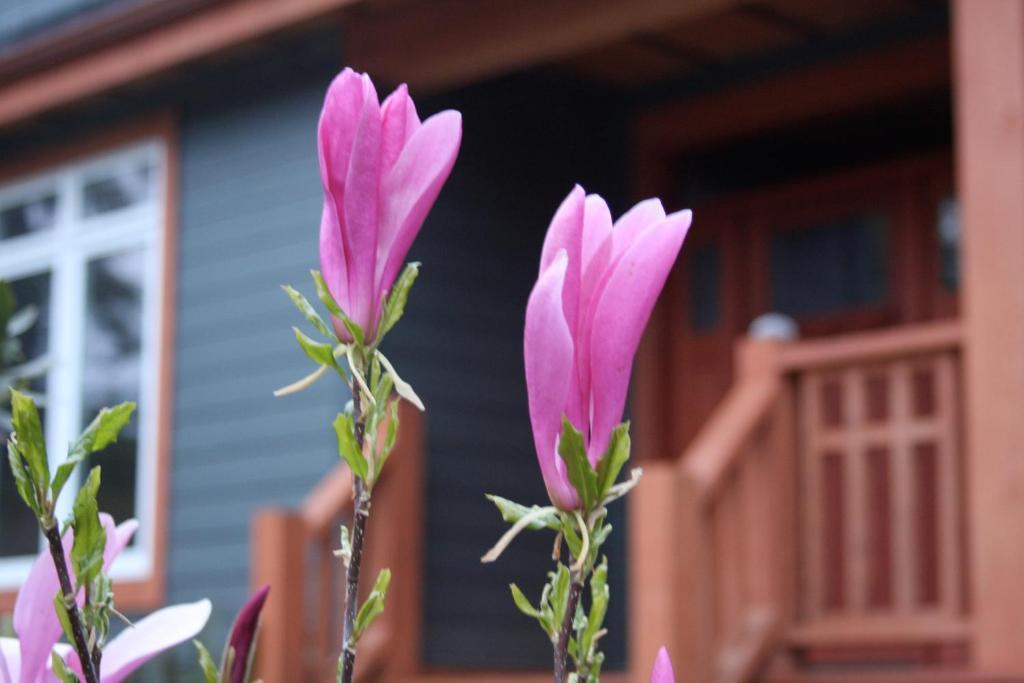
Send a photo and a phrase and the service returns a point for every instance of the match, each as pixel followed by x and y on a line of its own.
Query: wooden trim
pixel 148 593
pixel 864 347
pixel 881 630
pixel 192 37
pixel 785 100
pixel 451 42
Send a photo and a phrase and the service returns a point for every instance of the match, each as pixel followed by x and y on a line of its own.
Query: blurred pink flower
pixel 382 171
pixel 586 314
pixel 27 658
pixel 662 672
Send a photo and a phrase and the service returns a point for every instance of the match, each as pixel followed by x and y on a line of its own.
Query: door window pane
pixel 110 374
pixel 948 226
pixel 18 529
pixel 831 267
pixel 28 214
pixel 705 287
pixel 120 188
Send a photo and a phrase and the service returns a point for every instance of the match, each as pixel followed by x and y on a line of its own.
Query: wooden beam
pixel 150 53
pixel 989 58
pixel 801 95
pixel 444 43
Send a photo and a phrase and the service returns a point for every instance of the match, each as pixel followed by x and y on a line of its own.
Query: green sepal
pixel 390 436
pixel 523 603
pixel 599 597
pixel 90 536
pixel 394 307
pixel 22 480
pixel 324 294
pixel 308 311
pixel 28 432
pixel 581 474
pixel 62 616
pixel 318 352
pixel 559 594
pixel 512 512
pixel 571 535
pixel 613 460
pixel 61 670
pixel 348 447
pixel 373 606
pixel 206 663
pixel 101 432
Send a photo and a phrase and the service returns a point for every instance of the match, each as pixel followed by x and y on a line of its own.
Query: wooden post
pixel 278 555
pixel 653 601
pixel 989 85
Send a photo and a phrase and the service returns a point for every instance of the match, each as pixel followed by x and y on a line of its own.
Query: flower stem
pixel 67 593
pixel 562 644
pixel 360 515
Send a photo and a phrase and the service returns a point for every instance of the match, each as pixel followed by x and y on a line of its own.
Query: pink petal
pixel 400 121
pixel 10 660
pixel 662 672
pixel 243 633
pixel 595 253
pixel 633 222
pixel 548 352
pixel 410 189
pixel 361 210
pixel 620 316
pixel 34 619
pixel 337 129
pixel 161 630
pixel 332 261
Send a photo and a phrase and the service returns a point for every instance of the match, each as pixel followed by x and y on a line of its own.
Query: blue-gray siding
pixel 21 19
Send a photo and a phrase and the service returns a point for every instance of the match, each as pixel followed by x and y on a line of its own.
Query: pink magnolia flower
pixel 597 286
pixel 27 658
pixel 662 672
pixel 382 170
pixel 242 638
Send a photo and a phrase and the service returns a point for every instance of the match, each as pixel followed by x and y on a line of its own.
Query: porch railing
pixel 293 550
pixel 819 508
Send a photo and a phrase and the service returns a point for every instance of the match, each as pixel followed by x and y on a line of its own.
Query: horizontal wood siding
pixel 21 19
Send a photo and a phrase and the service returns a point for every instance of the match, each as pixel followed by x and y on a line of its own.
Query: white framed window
pixel 83 242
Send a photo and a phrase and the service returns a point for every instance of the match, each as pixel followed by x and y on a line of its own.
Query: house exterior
pixel 830 494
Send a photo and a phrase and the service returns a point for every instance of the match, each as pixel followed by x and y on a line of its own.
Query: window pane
pixel 18 528
pixel 832 267
pixel 111 371
pixel 948 225
pixel 28 214
pixel 120 188
pixel 705 287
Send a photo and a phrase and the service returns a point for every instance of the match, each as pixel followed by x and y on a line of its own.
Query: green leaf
pixel 560 593
pixel 512 512
pixel 101 432
pixel 324 294
pixel 394 308
pixel 210 672
pixel 613 460
pixel 21 479
pixel 581 475
pixel 318 352
pixel 523 602
pixel 61 670
pixel 90 536
pixel 402 388
pixel 599 596
pixel 373 606
pixel 29 436
pixel 348 447
pixel 307 310
pixel 571 536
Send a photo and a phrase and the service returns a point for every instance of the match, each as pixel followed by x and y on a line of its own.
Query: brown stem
pixel 89 664
pixel 361 513
pixel 562 644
